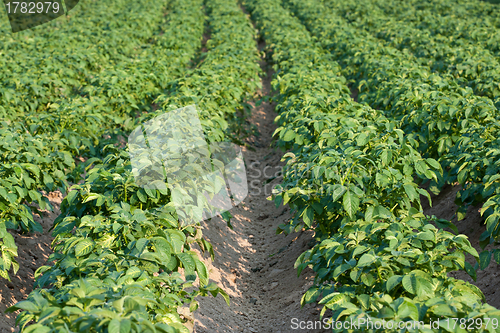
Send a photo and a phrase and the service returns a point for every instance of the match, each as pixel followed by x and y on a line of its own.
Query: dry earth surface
pixel 33 250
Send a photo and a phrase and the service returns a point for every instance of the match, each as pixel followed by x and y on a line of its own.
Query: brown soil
pixel 33 251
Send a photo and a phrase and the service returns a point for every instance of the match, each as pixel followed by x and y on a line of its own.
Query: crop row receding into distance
pixel 119 248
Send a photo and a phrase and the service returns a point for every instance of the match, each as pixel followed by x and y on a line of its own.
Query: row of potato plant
pixel 118 247
pixel 463 60
pixel 460 8
pixel 128 67
pixel 451 123
pixel 476 21
pixel 56 61
pixel 117 251
pixel 469 63
pixel 349 176
pixel 227 76
pixel 132 64
pixel 37 151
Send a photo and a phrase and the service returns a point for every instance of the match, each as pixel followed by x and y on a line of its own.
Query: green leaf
pixel 3 193
pixel 70 198
pixel 134 272
pixel 359 249
pixel 289 135
pixel 225 296
pixel 354 274
pixel 433 163
pixel 386 157
pixel 116 227
pixel 338 191
pixel 48 181
pixel 366 260
pixel 162 247
pixel 407 309
pixel 308 216
pixel 393 281
pixel 310 296
pixel 425 288
pixel 496 255
pixel 150 192
pixel 332 299
pixel 100 200
pixel 341 269
pixel 367 279
pixel 27 305
pixel 33 168
pixel 193 306
pixel 470 270
pixel 442 224
pixel 140 245
pixel 410 284
pixel 37 328
pixel 484 259
pixel 125 326
pixel 442 310
pixel 362 139
pixel 426 235
pixel 114 326
pixel 189 265
pixel 411 192
pixel 84 247
pixel 177 239
pixel 351 203
pixel 91 197
pixel 141 195
pixel 202 271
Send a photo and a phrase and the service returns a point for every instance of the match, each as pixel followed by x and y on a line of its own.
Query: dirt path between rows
pixel 252 263
pixel 33 251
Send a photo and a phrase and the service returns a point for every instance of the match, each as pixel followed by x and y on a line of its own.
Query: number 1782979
pixel 14 7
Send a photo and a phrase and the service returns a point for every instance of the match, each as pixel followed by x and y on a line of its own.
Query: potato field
pixel 370 134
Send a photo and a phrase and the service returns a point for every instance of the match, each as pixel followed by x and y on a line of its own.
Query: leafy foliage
pixel 350 177
pixel 118 247
pixel 450 123
pixel 43 139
